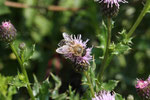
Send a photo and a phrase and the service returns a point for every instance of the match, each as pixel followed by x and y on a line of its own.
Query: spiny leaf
pixel 110 85
pixel 29 53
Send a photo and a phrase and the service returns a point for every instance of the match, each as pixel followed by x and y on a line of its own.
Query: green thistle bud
pixel 7 32
pixel 22 46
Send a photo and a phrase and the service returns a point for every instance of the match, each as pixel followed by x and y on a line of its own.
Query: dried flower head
pixel 110 8
pixel 143 88
pixel 75 49
pixel 7 32
pixel 105 95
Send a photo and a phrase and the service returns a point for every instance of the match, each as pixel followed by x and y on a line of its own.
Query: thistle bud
pixel 7 32
pixel 143 88
pixel 22 46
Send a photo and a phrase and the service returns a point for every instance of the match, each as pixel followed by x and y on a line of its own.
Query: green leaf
pixel 110 85
pixel 29 53
pixel 102 37
pixel 6 90
pixel 123 44
pixel 18 81
pixel 41 91
pixel 72 94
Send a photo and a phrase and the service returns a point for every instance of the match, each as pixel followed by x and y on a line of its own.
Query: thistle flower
pixel 104 95
pixel 76 50
pixel 143 88
pixel 110 8
pixel 7 32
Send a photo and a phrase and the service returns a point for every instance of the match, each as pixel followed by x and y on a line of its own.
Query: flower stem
pixel 142 14
pixel 90 83
pixel 23 71
pixel 104 62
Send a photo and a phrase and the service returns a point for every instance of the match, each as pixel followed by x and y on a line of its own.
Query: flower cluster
pixel 104 95
pixel 110 8
pixel 76 50
pixel 143 88
pixel 7 32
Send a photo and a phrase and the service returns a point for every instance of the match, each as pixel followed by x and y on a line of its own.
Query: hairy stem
pixel 23 71
pixel 142 14
pixel 90 83
pixel 104 62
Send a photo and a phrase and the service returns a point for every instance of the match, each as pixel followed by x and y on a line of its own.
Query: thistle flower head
pixel 75 49
pixel 143 88
pixel 110 8
pixel 141 84
pixel 7 32
pixel 105 95
pixel 111 3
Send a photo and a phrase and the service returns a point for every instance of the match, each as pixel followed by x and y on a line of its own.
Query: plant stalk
pixel 23 71
pixel 90 83
pixel 104 62
pixel 142 14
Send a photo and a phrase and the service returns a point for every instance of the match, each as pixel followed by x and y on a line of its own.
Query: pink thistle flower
pixel 141 84
pixel 143 88
pixel 104 95
pixel 75 49
pixel 7 32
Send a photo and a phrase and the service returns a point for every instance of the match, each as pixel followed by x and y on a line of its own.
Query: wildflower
pixel 143 88
pixel 104 95
pixel 7 32
pixel 75 49
pixel 110 8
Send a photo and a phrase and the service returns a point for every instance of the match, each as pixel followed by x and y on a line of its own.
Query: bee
pixel 62 43
pixel 67 45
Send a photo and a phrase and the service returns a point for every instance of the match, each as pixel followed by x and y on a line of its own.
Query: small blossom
pixel 143 88
pixel 104 95
pixel 7 32
pixel 75 49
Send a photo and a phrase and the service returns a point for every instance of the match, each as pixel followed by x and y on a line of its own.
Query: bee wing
pixel 62 42
pixel 67 37
pixel 63 50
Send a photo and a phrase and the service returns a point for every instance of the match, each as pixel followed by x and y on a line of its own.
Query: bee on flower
pixel 105 95
pixel 76 50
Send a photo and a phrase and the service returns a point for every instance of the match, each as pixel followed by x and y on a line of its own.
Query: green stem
pixel 142 14
pixel 23 71
pixel 90 83
pixel 104 62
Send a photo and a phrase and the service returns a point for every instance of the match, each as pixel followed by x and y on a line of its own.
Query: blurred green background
pixel 43 27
